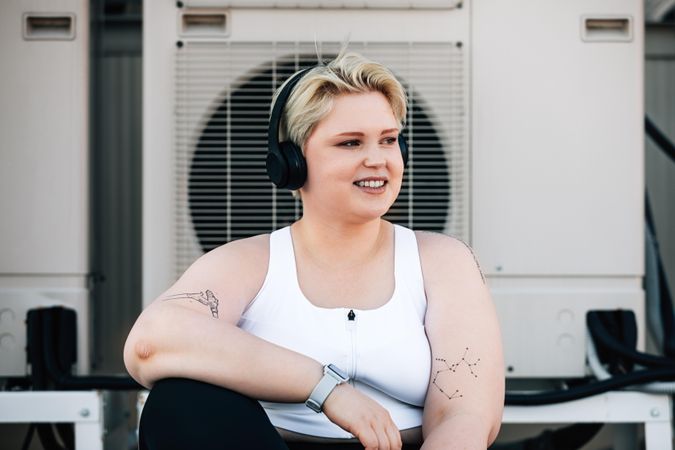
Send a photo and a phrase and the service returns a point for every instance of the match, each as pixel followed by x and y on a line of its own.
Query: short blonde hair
pixel 312 98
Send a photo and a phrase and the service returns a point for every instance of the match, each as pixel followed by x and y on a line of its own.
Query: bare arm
pixel 190 331
pixel 464 404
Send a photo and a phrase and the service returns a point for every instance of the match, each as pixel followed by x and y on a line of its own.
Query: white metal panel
pixel 543 320
pixel 557 140
pixel 44 146
pixel 158 186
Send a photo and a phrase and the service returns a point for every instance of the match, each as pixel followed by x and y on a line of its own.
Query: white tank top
pixel 384 350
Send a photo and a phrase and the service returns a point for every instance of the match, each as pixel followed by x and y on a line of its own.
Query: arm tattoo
pixel 453 368
pixel 474 258
pixel 205 298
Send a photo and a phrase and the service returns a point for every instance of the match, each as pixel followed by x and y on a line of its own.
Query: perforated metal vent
pixel 223 99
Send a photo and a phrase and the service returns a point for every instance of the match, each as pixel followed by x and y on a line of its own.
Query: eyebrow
pixel 358 133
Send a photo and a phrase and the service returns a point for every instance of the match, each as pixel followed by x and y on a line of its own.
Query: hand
pixel 363 417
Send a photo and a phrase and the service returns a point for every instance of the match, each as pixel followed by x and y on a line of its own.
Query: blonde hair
pixel 312 98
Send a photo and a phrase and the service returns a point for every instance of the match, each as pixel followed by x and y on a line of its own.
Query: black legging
pixel 183 414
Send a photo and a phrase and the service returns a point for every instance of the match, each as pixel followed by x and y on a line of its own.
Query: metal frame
pixel 652 410
pixel 83 408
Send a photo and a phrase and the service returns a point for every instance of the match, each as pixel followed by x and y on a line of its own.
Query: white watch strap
pixel 323 389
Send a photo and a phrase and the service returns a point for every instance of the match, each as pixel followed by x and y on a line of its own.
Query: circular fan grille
pixel 230 196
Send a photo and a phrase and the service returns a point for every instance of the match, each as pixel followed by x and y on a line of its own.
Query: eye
pixel 390 140
pixel 349 144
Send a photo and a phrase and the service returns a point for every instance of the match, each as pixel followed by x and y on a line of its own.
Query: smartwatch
pixel 332 376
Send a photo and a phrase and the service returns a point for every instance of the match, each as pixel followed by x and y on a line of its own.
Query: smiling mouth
pixel 373 184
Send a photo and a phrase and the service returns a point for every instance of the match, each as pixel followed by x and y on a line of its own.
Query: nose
pixel 375 156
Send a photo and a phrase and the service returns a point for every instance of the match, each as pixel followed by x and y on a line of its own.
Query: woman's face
pixel 354 163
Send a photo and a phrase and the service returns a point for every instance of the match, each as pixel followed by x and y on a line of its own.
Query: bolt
pixel 655 412
pixel 84 412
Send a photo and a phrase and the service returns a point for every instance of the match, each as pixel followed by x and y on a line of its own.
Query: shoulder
pixel 247 256
pixel 446 258
pixel 236 269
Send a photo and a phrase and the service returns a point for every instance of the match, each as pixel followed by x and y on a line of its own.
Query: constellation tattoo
pixel 205 298
pixel 453 368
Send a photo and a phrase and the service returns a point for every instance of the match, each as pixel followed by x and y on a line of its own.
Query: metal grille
pixel 223 96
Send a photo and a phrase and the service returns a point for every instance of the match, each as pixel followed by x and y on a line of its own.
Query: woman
pixel 389 334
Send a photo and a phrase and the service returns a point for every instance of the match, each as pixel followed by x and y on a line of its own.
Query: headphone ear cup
pixel 296 165
pixel 403 145
pixel 277 168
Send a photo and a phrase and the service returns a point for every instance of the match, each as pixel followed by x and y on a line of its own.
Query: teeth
pixel 371 183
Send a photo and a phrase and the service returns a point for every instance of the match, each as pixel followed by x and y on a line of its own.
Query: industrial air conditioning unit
pixel 44 170
pixel 525 126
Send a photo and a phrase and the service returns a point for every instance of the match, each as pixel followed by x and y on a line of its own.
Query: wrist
pixel 333 377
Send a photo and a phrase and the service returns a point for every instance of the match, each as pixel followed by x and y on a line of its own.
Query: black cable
pixel 39 378
pixel 665 299
pixel 598 387
pixel 602 337
pixel 29 437
pixel 66 432
pixel 660 138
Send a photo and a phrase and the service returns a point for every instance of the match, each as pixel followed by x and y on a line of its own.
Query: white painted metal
pixel 83 408
pixel 543 320
pixel 558 181
pixel 44 169
pixel 44 129
pixel 651 410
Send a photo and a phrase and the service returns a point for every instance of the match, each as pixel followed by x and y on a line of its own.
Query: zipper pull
pixel 350 323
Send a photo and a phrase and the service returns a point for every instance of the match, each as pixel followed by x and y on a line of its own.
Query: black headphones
pixel 286 165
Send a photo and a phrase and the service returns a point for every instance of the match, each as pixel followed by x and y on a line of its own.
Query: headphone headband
pixel 278 108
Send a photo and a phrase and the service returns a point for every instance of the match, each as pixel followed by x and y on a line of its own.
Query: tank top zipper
pixel 351 327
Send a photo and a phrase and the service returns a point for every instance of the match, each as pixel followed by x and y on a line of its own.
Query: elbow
pixel 140 357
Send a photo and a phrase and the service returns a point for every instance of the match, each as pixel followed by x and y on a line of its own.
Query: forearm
pixel 174 341
pixel 464 432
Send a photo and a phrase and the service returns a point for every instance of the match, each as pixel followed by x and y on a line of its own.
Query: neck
pixel 338 245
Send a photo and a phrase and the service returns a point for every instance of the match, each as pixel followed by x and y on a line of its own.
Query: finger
pixel 394 437
pixel 382 437
pixel 368 439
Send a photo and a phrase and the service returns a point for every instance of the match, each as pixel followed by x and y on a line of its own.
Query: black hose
pixel 665 298
pixel 66 381
pixel 599 387
pixel 39 378
pixel 29 437
pixel 660 138
pixel 602 337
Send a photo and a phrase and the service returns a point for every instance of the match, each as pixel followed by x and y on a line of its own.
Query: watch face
pixel 339 372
